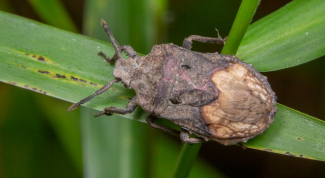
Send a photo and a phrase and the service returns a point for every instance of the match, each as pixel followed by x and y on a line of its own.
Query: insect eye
pixel 185 67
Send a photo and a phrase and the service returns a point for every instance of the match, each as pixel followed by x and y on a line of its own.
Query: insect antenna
pixel 114 42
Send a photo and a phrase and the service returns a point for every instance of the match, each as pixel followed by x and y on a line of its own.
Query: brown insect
pixel 216 97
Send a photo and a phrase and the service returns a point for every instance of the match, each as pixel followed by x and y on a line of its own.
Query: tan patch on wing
pixel 243 107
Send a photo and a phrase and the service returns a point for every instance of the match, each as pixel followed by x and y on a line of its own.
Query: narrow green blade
pixel 57 63
pixel 291 36
pixel 294 134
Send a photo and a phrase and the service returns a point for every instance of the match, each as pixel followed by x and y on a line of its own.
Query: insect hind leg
pixel 187 43
pixel 111 110
pixel 185 137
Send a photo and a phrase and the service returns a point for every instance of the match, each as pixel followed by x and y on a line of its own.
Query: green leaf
pixel 57 63
pixel 186 159
pixel 243 19
pixel 294 134
pixel 291 36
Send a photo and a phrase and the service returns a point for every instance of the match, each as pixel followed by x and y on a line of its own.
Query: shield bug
pixel 216 97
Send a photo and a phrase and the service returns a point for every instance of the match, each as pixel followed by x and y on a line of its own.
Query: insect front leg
pixel 185 137
pixel 126 48
pixel 187 43
pixel 98 92
pixel 111 110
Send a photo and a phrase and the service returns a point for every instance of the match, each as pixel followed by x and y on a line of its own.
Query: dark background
pixel 300 88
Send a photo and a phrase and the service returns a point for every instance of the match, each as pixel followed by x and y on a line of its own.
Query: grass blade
pixel 294 134
pixel 291 36
pixel 242 21
pixel 49 61
pixel 186 159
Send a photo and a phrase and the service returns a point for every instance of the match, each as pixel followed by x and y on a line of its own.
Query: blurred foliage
pixel 53 13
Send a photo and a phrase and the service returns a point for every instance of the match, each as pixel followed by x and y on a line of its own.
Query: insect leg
pixel 185 137
pixel 108 59
pixel 187 43
pixel 151 121
pixel 98 92
pixel 128 50
pixel 129 108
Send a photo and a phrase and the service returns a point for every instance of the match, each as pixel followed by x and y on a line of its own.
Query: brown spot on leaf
pixel 26 54
pixel 43 72
pixel 60 76
pixel 26 86
pixel 74 78
pixel 94 84
pixel 34 88
pixel 41 59
pixel 81 80
pixel 299 138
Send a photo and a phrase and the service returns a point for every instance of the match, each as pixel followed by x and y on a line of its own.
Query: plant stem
pixel 186 159
pixel 242 21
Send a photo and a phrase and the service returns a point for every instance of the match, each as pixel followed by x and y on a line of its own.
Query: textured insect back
pixel 245 106
pixel 150 82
